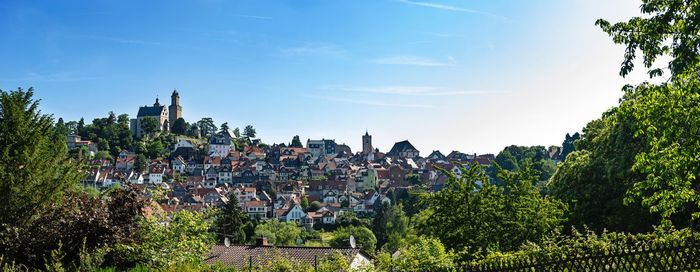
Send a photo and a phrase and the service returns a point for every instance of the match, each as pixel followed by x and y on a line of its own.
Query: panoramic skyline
pixel 446 75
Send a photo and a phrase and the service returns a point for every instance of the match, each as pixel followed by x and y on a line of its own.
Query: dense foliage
pixel 34 169
pixel 279 233
pixel 670 28
pixel 629 179
pixel 363 236
pixel 231 222
pixel 482 216
pixel 514 158
pixel 635 166
pixel 184 238
pixel 425 254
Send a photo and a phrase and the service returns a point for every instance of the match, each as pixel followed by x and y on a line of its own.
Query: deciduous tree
pixel 180 127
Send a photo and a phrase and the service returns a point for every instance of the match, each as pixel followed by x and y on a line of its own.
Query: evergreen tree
pixel 61 129
pixel 231 222
pixel 80 129
pixel 34 166
pixel 296 142
pixel 305 203
pixel 381 214
pixel 249 131
pixel 140 163
pixel 206 127
pixel 224 128
pixel 398 229
pixel 194 131
pixel 568 145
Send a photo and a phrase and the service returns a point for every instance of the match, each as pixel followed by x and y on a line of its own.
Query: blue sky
pixel 473 76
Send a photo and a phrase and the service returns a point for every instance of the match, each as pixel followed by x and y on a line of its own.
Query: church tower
pixel 175 109
pixel 367 143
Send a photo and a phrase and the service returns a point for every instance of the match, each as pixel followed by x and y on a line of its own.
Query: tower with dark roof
pixel 175 109
pixel 367 143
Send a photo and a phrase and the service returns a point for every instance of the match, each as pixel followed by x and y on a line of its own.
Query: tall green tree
pixel 149 125
pixel 669 27
pixel 80 127
pixel 568 145
pixel 379 222
pixel 207 127
pixel 296 142
pixel 34 167
pixel 140 163
pixel 194 131
pixel 230 221
pixel 72 127
pixel 305 203
pixel 155 149
pixel 399 232
pixel 667 121
pixel 249 131
pixel 61 128
pixel 224 127
pixel 634 168
pixel 180 127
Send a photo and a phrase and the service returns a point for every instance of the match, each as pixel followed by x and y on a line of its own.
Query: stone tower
pixel 175 109
pixel 367 143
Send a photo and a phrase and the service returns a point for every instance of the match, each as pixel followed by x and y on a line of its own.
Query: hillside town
pixel 272 181
pixel 320 136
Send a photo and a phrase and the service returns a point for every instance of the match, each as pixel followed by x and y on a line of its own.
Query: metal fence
pixel 683 256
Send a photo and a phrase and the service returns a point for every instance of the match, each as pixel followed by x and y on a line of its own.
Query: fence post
pixel 316 263
pixel 250 263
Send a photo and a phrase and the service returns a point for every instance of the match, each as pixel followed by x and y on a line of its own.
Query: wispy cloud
pixel 419 42
pixel 411 90
pixel 369 102
pixel 448 7
pixel 253 16
pixel 123 40
pixel 313 48
pixel 413 60
pixel 441 35
pixel 51 77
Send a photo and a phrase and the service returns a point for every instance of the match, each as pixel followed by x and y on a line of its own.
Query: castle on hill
pixel 166 116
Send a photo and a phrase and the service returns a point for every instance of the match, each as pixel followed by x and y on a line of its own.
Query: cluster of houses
pixel 273 181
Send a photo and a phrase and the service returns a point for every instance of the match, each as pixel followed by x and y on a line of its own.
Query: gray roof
pixel 220 138
pixel 401 146
pixel 240 256
pixel 437 154
pixel 150 111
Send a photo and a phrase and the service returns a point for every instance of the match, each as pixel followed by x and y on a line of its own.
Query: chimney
pixel 261 241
